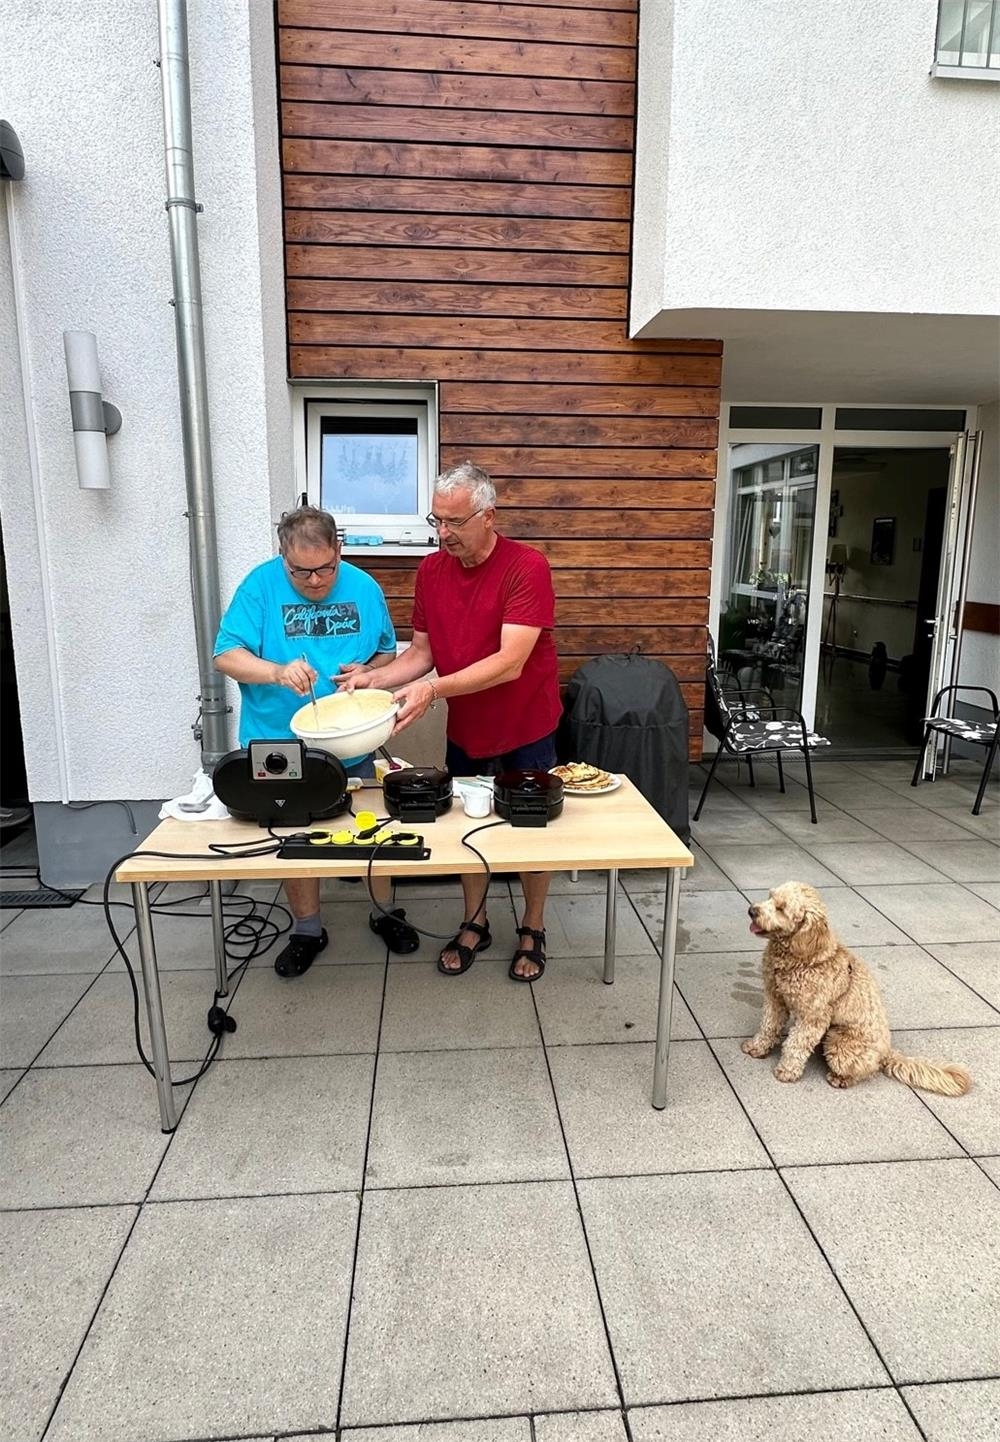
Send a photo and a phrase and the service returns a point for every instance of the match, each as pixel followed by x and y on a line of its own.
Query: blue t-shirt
pixel 268 618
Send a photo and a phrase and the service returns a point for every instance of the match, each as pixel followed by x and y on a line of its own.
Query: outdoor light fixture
pixel 94 419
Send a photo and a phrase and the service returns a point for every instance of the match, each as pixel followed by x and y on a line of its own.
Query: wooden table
pixel 594 833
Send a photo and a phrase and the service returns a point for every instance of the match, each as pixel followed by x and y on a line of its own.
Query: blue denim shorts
pixel 536 756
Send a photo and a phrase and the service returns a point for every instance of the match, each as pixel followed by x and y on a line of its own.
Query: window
pixel 968 40
pixel 369 455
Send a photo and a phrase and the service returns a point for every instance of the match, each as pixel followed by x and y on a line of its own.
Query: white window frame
pixel 398 535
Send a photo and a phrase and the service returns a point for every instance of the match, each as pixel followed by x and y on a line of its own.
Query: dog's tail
pixel 943 1077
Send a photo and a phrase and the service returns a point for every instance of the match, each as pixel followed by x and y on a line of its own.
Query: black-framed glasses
pixel 436 522
pixel 302 573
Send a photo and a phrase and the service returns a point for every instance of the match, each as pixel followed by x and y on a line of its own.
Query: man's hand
pixel 297 676
pixel 355 676
pixel 414 700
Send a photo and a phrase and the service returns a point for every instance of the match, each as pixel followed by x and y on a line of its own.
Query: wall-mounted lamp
pixel 94 419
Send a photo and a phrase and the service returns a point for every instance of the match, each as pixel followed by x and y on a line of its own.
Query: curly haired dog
pixel 830 996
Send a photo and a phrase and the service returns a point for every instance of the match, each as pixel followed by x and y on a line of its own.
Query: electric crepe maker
pixel 417 793
pixel 527 798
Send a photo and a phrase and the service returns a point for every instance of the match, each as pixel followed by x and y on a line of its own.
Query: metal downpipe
pixel 182 210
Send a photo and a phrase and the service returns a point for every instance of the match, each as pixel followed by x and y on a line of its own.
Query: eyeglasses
pixel 438 521
pixel 302 573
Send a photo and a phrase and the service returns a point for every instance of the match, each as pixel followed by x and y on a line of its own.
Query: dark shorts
pixel 536 756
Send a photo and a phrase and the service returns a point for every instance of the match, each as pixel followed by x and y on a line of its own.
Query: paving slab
pixel 972 860
pixel 40 942
pixel 976 962
pixel 612 1129
pixel 425 1011
pixel 748 864
pixel 31 1008
pixel 258 1352
pixel 464 1116
pixel 9 1078
pixel 485 1300
pixel 485 1429
pixel 101 1028
pixel 47 1255
pixel 575 1006
pixel 914 1246
pixel 957 1411
pixel 810 1121
pixel 285 1124
pixel 80 1136
pixel 708 921
pixel 326 1011
pixel 723 990
pixel 917 824
pixel 712 1286
pixel 944 912
pixel 861 862
pixel 580 1427
pixel 876 1415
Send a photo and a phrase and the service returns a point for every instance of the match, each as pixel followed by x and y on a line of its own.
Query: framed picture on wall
pixel 883 540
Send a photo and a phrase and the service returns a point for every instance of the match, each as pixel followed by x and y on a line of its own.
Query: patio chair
pixel 746 728
pixel 980 733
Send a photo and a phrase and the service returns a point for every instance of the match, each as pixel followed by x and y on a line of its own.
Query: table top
pixel 594 833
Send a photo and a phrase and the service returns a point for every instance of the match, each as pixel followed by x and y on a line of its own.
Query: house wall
pixel 837 174
pixel 99 585
pixel 458 197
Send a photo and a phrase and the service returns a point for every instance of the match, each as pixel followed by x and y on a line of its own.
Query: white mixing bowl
pixel 347 724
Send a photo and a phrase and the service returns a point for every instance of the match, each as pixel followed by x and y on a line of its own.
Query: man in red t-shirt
pixel 483 613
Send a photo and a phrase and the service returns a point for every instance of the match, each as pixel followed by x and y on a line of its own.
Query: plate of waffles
pixel 579 778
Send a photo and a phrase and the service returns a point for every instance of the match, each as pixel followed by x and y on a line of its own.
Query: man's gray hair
pixel 467 477
pixel 307 525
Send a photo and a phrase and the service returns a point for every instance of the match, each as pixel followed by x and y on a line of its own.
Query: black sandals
pixel 466 954
pixel 536 954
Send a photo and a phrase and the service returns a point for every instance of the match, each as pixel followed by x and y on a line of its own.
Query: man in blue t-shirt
pixel 299 619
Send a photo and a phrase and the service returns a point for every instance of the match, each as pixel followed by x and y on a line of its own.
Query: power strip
pixel 295 849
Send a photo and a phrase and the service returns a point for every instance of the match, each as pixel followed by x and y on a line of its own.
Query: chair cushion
pixel 771 736
pixel 982 731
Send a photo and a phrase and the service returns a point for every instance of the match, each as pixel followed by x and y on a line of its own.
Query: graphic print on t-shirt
pixel 330 618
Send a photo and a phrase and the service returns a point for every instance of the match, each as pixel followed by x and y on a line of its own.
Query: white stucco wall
pixel 810 162
pixel 80 87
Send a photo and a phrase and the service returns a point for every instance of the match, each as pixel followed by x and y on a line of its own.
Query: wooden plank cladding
pixel 457 180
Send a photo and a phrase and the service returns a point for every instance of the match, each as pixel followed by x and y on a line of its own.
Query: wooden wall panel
pixel 457 182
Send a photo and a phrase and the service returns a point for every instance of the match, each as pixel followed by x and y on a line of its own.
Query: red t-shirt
pixel 462 608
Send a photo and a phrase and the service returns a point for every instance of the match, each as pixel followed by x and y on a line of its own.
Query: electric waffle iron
pixel 417 793
pixel 281 783
pixel 527 798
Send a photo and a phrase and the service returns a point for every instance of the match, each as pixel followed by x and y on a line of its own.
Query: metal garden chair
pixel 979 733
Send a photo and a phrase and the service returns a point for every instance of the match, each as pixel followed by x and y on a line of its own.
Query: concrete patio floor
pixel 405 1207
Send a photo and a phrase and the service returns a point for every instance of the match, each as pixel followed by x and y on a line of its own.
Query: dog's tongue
pixel 755 929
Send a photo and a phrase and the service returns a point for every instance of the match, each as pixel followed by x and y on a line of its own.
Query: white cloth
pixel 200 803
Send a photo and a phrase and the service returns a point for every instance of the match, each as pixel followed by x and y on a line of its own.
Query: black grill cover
pixel 626 714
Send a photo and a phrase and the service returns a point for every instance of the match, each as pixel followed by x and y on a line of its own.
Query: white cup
pixel 477 800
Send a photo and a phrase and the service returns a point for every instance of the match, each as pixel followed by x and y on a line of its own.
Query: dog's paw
pixel 787 1074
pixel 836 1080
pixel 754 1048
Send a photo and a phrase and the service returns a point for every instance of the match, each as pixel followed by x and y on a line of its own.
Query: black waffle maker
pixel 281 783
pixel 527 798
pixel 417 793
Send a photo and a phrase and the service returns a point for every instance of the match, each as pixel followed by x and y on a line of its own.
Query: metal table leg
pixel 668 950
pixel 610 920
pixel 154 1006
pixel 218 938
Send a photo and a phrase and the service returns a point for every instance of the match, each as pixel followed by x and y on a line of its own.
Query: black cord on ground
pixel 437 935
pixel 254 934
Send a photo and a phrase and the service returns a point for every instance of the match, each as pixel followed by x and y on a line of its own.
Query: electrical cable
pixel 262 935
pixel 480 909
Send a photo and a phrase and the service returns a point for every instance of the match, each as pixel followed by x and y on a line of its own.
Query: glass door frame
pixel 828 438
